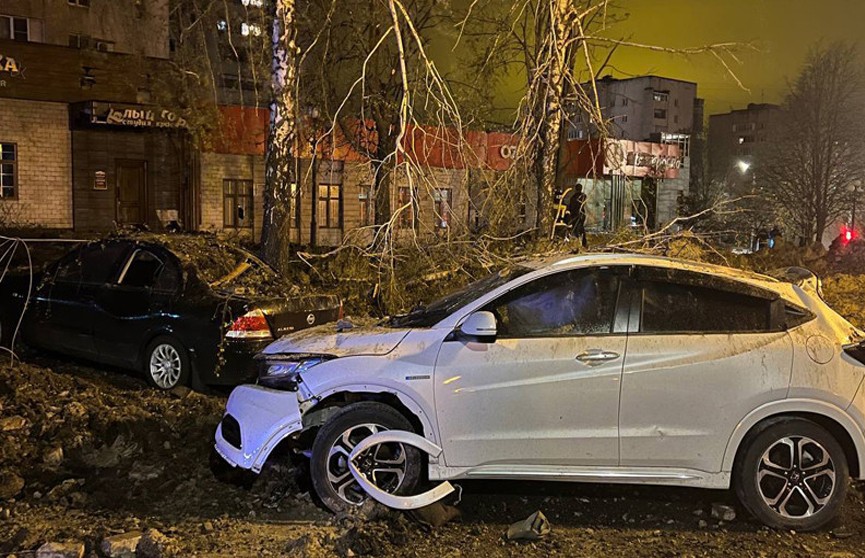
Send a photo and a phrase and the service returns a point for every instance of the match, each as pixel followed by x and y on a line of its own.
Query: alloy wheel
pixel 796 477
pixel 165 366
pixel 384 465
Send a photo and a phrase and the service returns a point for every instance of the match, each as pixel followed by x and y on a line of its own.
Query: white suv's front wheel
pixel 793 475
pixel 393 467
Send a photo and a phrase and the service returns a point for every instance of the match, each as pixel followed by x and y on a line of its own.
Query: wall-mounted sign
pixel 100 180
pixel 642 159
pixel 136 116
pixel 9 65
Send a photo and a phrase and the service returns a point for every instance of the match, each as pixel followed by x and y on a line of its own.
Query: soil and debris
pixel 94 463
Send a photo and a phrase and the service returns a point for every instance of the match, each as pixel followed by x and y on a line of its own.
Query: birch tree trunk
pixel 556 56
pixel 282 139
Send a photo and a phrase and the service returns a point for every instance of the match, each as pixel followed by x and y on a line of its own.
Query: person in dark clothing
pixel 577 214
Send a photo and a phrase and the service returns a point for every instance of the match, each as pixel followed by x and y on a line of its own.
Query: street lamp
pixel 743 166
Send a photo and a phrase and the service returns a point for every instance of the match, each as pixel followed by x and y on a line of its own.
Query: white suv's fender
pixel 790 407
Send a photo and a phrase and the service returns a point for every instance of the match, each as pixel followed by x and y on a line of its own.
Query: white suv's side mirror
pixel 480 326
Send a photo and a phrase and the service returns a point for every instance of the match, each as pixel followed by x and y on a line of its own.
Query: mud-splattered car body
pixel 107 300
pixel 603 368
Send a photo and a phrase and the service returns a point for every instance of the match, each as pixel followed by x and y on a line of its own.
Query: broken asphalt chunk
pixel 532 528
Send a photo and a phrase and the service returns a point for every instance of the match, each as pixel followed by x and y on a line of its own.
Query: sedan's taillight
pixel 252 325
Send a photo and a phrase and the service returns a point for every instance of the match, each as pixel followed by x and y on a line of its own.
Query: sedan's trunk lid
pixel 289 315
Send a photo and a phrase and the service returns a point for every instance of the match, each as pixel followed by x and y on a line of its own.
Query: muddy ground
pixel 101 454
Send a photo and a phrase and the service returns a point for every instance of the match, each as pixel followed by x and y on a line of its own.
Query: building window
pixel 364 199
pixel 676 119
pixel 661 113
pixel 329 206
pixel 81 3
pixel 625 119
pixel 409 204
pixel 222 25
pixel 442 202
pixel 675 102
pixel 247 29
pixel 253 3
pixel 624 101
pixel 8 170
pixel 237 203
pixel 660 96
pixel 20 28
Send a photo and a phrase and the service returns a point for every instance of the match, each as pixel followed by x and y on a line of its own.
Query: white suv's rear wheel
pixel 395 468
pixel 793 475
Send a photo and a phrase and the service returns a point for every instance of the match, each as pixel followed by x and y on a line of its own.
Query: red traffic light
pixel 848 234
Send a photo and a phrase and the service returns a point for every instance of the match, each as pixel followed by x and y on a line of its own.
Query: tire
pixel 167 352
pixel 802 482
pixel 354 422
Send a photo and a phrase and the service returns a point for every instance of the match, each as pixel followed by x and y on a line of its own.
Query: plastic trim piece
pixel 391 500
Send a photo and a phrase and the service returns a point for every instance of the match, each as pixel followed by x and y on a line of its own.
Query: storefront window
pixel 237 203
pixel 8 170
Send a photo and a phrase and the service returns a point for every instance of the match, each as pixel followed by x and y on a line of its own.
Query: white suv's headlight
pixel 285 374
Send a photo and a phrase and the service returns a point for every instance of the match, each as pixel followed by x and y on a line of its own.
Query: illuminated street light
pixel 743 166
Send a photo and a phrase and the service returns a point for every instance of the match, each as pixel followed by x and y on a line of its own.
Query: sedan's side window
pixel 142 270
pixel 95 263
pixel 679 308
pixel 568 303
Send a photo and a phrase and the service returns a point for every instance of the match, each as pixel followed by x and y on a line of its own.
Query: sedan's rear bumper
pixel 238 364
pixel 256 420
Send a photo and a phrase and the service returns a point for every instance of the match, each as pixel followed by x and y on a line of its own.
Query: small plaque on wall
pixel 100 180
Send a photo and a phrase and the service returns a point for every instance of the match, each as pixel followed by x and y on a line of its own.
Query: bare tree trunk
pixel 552 117
pixel 275 234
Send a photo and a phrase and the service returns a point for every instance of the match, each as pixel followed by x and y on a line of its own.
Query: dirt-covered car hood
pixel 326 340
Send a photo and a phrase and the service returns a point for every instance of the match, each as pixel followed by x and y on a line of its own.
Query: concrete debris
pixel 532 528
pixel 60 550
pixel 121 546
pixel 9 424
pixel 10 485
pixel 153 544
pixel 723 512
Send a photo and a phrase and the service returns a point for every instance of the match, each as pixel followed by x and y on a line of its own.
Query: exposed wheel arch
pixel 833 426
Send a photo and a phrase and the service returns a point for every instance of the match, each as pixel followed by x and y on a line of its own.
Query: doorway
pixel 131 192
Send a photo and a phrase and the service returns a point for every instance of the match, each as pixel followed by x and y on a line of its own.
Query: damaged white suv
pixel 597 368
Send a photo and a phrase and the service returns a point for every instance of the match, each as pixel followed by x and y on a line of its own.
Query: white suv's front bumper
pixel 265 417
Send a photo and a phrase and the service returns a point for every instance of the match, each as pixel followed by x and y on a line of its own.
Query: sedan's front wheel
pixel 793 475
pixel 166 363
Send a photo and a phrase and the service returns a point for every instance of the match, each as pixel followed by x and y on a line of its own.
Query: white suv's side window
pixel 681 308
pixel 578 302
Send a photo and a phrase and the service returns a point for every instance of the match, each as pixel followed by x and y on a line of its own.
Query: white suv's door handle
pixel 593 357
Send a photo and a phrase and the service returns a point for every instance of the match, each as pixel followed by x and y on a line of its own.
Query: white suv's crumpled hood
pixel 327 341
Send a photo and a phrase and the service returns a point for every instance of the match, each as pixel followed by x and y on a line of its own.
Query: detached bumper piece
pixel 386 498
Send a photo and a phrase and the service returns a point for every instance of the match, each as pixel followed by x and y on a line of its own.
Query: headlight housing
pixel 285 374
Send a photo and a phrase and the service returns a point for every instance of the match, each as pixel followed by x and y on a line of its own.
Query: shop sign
pixel 136 116
pixel 9 67
pixel 642 159
pixel 100 180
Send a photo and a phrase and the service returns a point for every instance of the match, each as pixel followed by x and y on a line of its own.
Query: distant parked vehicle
pixel 184 309
pixel 598 368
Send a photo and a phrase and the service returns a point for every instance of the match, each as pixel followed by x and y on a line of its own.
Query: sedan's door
pixel 705 351
pixel 135 305
pixel 546 392
pixel 63 307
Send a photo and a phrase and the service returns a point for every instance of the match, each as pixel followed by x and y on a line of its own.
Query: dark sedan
pixel 183 310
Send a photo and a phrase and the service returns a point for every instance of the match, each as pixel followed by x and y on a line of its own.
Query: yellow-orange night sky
pixel 781 30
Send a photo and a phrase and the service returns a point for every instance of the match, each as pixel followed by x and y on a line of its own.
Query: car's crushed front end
pixel 258 417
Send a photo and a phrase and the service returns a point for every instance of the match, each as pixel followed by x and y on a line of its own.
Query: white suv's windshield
pixel 428 316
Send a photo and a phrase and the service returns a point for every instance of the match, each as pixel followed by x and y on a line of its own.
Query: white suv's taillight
pixel 252 325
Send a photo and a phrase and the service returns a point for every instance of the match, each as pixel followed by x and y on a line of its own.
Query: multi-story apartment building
pixel 737 137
